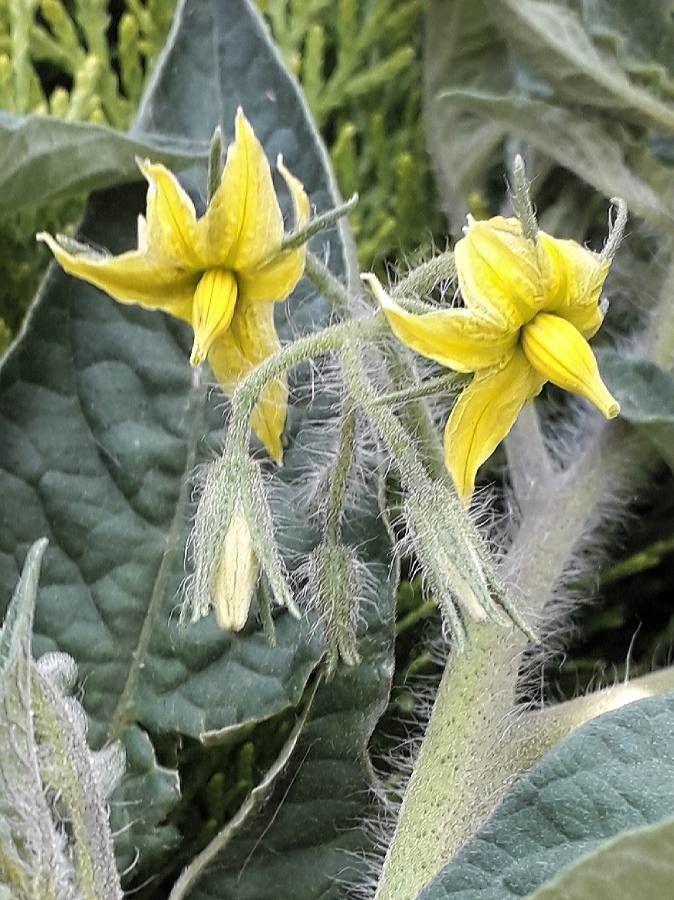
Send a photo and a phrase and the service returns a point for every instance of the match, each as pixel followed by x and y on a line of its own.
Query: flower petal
pixel 484 414
pixel 132 277
pixel 580 289
pixel 562 355
pixel 277 278
pixel 171 222
pixel 252 338
pixel 456 338
pixel 243 223
pixel 502 275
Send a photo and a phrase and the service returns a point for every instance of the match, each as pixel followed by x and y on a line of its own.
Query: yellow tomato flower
pixel 529 308
pixel 221 273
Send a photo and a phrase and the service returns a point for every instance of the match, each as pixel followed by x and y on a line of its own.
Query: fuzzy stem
pixel 415 415
pixel 528 460
pixel 340 479
pixel 399 443
pixel 331 288
pixel 471 751
pixel 426 277
pixel 249 390
pixel 441 385
pixel 319 223
pixel 659 337
pixel 542 730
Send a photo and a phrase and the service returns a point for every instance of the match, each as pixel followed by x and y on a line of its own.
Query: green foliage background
pixel 360 64
pixel 362 68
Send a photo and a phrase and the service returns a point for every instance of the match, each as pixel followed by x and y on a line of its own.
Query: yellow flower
pixel 529 308
pixel 221 273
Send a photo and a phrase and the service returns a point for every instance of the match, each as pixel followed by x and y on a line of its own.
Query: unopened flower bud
pixel 235 577
pixel 332 589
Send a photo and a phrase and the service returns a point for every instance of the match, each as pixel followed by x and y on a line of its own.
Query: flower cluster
pixel 221 272
pixel 530 304
pixel 529 308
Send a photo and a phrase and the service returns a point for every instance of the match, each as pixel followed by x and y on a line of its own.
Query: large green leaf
pixel 98 431
pixel 553 41
pixel 43 158
pixel 463 51
pixel 596 150
pixel 646 396
pixel 643 44
pixel 638 863
pixel 615 773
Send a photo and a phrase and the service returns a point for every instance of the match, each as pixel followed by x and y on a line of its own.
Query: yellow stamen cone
pixel 557 350
pixel 212 310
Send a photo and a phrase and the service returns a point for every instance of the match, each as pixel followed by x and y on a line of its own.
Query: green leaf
pixel 140 805
pixel 101 433
pixel 463 51
pixel 596 150
pixel 613 774
pixel 643 44
pixel 44 158
pixel 552 40
pixel 638 863
pixel 30 846
pixel 45 755
pixel 646 397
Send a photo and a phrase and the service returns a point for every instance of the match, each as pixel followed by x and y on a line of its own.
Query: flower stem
pixel 340 478
pixel 249 390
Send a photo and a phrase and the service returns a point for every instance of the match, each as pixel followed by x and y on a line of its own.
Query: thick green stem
pixel 542 730
pixel 471 751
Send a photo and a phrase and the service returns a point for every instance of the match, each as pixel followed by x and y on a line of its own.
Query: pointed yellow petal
pixel 277 279
pixel 243 223
pixel 584 274
pixel 483 415
pixel 171 221
pixel 502 275
pixel 301 206
pixel 562 355
pixel 212 310
pixel 132 277
pixel 455 338
pixel 250 339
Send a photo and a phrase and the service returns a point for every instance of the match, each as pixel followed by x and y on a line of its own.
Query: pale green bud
pixel 236 576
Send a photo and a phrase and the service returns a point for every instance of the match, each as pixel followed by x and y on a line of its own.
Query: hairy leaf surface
pixel 100 431
pixel 44 158
pixel 615 773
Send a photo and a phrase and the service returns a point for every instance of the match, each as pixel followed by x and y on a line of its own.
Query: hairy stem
pixel 542 730
pixel 249 390
pixel 528 460
pixel 340 479
pixel 471 751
